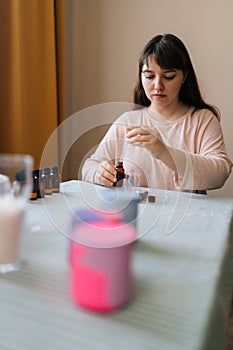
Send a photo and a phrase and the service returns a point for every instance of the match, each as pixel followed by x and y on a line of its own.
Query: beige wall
pixel 103 40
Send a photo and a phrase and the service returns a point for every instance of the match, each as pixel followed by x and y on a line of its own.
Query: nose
pixel 158 83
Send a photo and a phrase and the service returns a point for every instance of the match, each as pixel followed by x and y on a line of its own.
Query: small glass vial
pixel 40 183
pixel 120 174
pixel 47 181
pixel 56 179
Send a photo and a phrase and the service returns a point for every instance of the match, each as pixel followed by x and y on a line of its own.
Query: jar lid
pixel 104 234
pixel 46 171
pixel 55 170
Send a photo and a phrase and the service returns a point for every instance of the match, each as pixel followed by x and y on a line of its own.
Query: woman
pixel 172 137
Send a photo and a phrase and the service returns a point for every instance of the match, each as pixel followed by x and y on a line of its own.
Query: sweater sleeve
pixel 207 169
pixel 110 149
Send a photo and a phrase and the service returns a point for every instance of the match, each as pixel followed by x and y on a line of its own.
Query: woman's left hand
pixel 147 137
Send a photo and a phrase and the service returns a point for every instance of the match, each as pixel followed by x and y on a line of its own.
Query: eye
pixel 150 77
pixel 169 77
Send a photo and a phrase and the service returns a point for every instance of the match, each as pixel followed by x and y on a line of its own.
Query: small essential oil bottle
pixel 120 175
pixel 33 194
pixel 56 179
pixel 40 183
pixel 47 181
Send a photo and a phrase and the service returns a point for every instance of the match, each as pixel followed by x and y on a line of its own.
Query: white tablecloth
pixel 182 274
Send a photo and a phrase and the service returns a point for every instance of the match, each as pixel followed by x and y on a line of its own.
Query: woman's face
pixel 161 86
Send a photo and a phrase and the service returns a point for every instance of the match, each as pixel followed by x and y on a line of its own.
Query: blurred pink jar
pixel 100 259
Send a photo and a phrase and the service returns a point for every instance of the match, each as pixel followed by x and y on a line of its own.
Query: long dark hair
pixel 170 52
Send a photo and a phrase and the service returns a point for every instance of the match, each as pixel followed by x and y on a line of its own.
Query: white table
pixel 182 271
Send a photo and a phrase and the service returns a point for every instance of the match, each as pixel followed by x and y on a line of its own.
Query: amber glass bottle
pixel 40 183
pixel 33 194
pixel 120 174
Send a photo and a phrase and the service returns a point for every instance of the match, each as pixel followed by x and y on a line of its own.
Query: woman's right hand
pixel 105 174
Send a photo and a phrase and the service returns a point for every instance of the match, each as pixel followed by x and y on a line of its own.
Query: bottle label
pixel 48 191
pixel 33 195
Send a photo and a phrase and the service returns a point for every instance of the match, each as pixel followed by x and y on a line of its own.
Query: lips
pixel 159 95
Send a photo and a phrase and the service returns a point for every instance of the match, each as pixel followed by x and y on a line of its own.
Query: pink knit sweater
pixel 195 142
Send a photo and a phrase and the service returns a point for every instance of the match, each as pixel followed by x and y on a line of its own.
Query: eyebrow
pixel 147 71
pixel 166 70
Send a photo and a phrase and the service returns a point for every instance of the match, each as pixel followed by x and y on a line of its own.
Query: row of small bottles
pixel 45 182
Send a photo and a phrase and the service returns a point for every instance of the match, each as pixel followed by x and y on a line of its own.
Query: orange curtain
pixel 31 74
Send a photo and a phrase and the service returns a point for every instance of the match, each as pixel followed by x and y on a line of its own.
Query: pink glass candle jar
pixel 101 264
